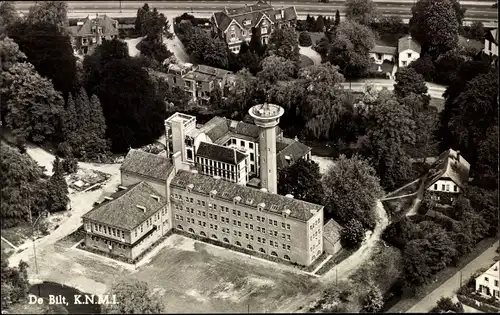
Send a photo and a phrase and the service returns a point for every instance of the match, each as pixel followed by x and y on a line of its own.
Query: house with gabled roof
pixel 488 283
pixel 448 176
pixel 491 43
pixel 408 50
pixel 90 32
pixel 235 25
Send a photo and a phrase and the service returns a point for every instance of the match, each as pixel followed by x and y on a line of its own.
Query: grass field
pixel 17 235
pixel 192 277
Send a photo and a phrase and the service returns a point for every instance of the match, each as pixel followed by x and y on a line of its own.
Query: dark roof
pixel 226 190
pixel 252 13
pixel 449 166
pixel 122 212
pixel 331 231
pixel 147 164
pixel 407 42
pixel 492 36
pixel 218 127
pixel 220 153
pixel 379 49
pixel 289 147
pixel 108 25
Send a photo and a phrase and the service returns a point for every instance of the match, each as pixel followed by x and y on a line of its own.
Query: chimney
pixel 282 13
pixel 263 189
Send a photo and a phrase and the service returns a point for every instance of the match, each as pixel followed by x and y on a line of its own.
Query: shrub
pixel 70 165
pixel 446 304
pixel 373 301
pixel 305 39
pixel 352 234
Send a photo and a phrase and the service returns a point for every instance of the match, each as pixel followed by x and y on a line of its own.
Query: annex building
pixel 202 189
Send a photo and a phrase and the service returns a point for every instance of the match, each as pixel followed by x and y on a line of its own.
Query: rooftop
pixel 289 152
pixel 202 184
pixel 407 42
pixel 220 153
pixel 128 208
pixel 218 128
pixel 266 110
pixel 388 50
pixel 493 270
pixel 84 27
pixel 450 164
pixel 147 164
pixel 331 231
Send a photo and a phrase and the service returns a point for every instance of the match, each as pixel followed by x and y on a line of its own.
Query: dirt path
pixel 81 203
pixel 311 53
pixel 353 262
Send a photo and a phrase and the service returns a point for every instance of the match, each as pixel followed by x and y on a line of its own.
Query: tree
pixel 447 65
pixel 255 44
pixel 57 189
pixel 275 68
pixel 350 48
pixel 8 15
pixel 344 177
pixel 302 180
pixel 485 203
pixel 320 24
pixel 33 107
pixel 363 12
pixel 96 145
pixel 486 167
pixel 140 19
pixel 445 304
pixel 310 23
pixel 476 31
pixel 49 51
pixel 283 42
pixel 205 49
pixel 399 233
pixel 425 66
pixel 388 128
pixel 20 178
pixel 10 53
pixel 415 263
pixel 392 24
pixel 15 282
pixel 337 18
pixel 305 39
pixel 216 98
pixel 241 97
pixel 49 12
pixel 135 297
pixel 352 234
pixel 435 26
pixel 133 111
pixel 408 81
pixel 373 301
pixel 154 50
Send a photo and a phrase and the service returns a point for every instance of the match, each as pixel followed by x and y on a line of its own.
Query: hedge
pixel 478 302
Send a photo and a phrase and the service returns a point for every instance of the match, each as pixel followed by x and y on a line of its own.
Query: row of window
pixel 217 164
pixel 235 212
pixel 218 172
pixel 315 223
pixel 446 187
pixel 107 230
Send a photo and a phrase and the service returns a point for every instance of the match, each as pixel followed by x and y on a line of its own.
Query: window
pixel 252 157
pixel 233 36
pixel 246 236
pixel 251 226
pixel 215 217
pixel 443 187
pixel 198 202
pixel 409 55
pixel 282 225
pixel 234 222
pixel 263 230
pixel 246 215
pixel 486 279
pixel 246 225
pixel 455 188
pixel 203 203
pixel 242 143
pixel 263 30
pixel 288 226
pixel 239 213
pixel 251 237
pixel 496 283
pixel 250 145
pixel 244 32
pixel 270 222
pixel 239 223
pixel 258 229
pixel 435 186
pixel 275 223
pixel 288 237
pixel 234 212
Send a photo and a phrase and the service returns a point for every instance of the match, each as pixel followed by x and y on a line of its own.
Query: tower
pixel 267 117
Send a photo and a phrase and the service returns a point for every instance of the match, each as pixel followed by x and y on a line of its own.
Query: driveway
pixel 449 288
pixel 311 53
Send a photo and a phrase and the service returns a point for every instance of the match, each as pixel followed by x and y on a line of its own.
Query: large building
pixel 235 25
pixel 199 81
pixel 184 135
pixel 90 32
pixel 201 189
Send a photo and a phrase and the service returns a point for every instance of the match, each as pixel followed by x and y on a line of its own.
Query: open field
pixel 192 277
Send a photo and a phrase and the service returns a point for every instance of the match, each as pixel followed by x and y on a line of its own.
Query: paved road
pixel 400 8
pixel 449 288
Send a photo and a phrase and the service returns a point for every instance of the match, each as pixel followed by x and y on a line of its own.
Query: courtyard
pixel 192 277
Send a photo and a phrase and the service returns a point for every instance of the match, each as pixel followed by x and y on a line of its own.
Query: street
pixel 449 288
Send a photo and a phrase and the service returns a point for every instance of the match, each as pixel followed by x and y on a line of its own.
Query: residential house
pixel 487 284
pixel 447 176
pixel 408 50
pixel 491 43
pixel 128 222
pixel 90 32
pixel 381 53
pixel 235 25
pixel 199 81
pixel 331 237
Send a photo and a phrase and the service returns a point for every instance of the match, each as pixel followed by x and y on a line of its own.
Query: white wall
pixel 494 48
pixel 449 186
pixel 382 58
pixel 405 60
pixel 482 285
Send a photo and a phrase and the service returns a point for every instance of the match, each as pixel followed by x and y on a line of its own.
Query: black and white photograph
pixel 249 156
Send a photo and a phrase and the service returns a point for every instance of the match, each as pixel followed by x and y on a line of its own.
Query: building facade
pixel 236 25
pixel 128 222
pixel 487 284
pixel 491 43
pixel 199 81
pixel 271 224
pixel 408 51
pixel 380 53
pixel 90 32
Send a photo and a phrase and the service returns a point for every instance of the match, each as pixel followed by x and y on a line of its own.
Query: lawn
pixel 17 235
pixel 6 249
pixel 305 61
pixel 192 277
